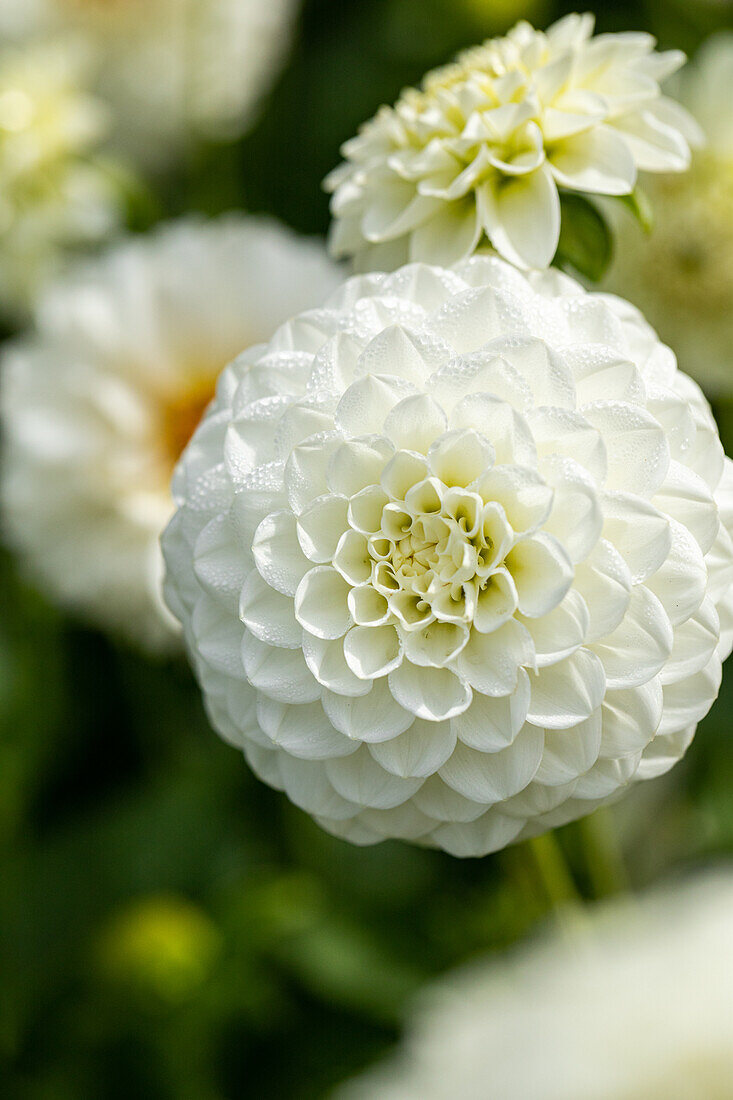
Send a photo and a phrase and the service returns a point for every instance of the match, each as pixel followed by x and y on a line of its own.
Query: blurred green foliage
pixel 171 928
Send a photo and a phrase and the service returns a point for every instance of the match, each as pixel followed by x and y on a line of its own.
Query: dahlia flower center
pixel 180 416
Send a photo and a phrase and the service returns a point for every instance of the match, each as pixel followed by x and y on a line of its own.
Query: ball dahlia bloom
pixel 171 69
pixel 478 152
pixel 54 195
pixel 452 555
pixel 100 398
pixel 638 1007
pixel 681 274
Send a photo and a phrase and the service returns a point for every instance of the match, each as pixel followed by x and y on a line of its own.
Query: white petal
pixel 359 778
pixel 419 751
pixel 278 554
pixel 303 731
pixel 281 674
pixel 491 724
pixel 685 496
pixel 367 402
pixel 570 753
pixel 604 582
pixel 439 801
pixel 430 693
pixel 451 234
pixel 357 463
pixel 542 572
pixel 496 602
pixel 307 785
pixel 436 644
pixel 305 470
pixel 522 218
pixel 509 433
pixel 567 433
pixel 415 422
pixel 372 651
pixel 597 161
pixel 636 446
pixel 631 717
pixel 560 632
pixel 321 603
pixel 490 662
pixel 321 525
pixel 568 692
pixel 687 701
pixel 523 494
pixel 576 518
pixel 365 510
pixel 680 582
pixel 461 456
pixel 694 644
pixel 268 614
pixel 490 833
pixel 326 661
pixel 372 717
pixel 639 532
pixel 639 646
pixel 492 777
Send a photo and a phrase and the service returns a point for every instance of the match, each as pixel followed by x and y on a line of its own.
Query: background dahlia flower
pixel 452 555
pixel 478 152
pixel 53 194
pixel 100 399
pixel 638 1007
pixel 171 69
pixel 681 274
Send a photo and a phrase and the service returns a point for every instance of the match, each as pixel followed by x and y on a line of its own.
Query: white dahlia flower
pixel 452 555
pixel 172 69
pixel 479 151
pixel 639 1006
pixel 100 399
pixel 53 194
pixel 681 275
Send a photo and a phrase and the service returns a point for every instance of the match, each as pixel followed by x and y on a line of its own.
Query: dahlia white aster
pixel 638 1007
pixel 53 194
pixel 173 68
pixel 98 401
pixel 681 275
pixel 479 151
pixel 452 555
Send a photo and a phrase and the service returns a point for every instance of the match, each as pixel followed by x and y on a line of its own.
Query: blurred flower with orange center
pixel 100 399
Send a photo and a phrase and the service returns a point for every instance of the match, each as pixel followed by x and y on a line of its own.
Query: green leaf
pixel 639 206
pixel 586 245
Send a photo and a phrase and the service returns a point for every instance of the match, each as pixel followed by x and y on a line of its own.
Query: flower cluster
pixel 53 195
pixel 479 151
pixel 654 980
pixel 99 401
pixel 171 69
pixel 452 555
pixel 681 274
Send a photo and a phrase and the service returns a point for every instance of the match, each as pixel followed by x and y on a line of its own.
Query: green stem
pixel 603 855
pixel 553 871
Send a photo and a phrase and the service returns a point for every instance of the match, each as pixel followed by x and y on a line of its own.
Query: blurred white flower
pixel 172 69
pixel 682 274
pixel 452 555
pixel 53 194
pixel 99 401
pixel 479 151
pixel 639 1006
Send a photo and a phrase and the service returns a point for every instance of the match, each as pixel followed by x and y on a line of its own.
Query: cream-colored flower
pixel 100 399
pixel 682 274
pixel 479 151
pixel 639 1006
pixel 173 69
pixel 452 555
pixel 53 195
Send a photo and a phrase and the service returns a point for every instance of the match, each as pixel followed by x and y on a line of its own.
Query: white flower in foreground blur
pixel 99 401
pixel 682 274
pixel 53 195
pixel 479 151
pixel 172 69
pixel 637 1006
pixel 452 555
